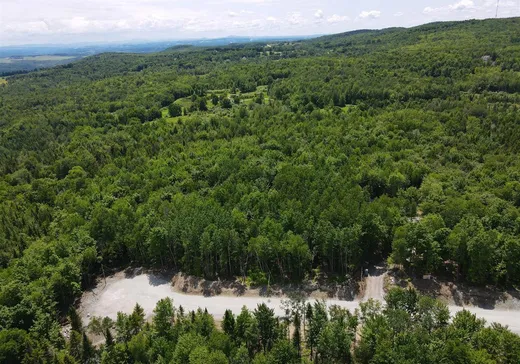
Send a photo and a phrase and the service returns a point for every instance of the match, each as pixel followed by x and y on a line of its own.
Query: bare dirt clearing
pixel 321 289
pixel 121 292
pixel 459 294
pixel 374 284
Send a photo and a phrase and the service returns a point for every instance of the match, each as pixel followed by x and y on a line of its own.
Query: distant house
pixel 487 59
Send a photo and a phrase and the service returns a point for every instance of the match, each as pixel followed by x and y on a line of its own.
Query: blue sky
pixel 68 21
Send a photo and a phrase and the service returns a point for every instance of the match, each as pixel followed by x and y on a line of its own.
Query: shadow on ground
pixel 189 284
pixel 460 293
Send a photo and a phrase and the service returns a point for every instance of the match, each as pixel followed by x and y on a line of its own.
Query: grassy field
pixel 3 81
pixel 35 58
pixel 245 98
pixel 249 97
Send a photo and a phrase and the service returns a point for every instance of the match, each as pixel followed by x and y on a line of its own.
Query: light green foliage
pixel 333 152
pixel 317 321
pixel 267 326
pixel 100 326
pixel 335 339
pixel 163 316
pixel 284 352
pixel 185 346
pixel 138 347
pixel 202 355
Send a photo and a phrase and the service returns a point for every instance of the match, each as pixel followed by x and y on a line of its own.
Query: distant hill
pixel 453 34
pixel 17 59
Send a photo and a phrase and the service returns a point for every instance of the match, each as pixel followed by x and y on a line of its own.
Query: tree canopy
pixel 271 162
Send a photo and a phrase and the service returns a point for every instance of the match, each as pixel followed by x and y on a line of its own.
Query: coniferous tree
pixel 87 350
pixel 75 320
pixel 228 323
pixel 297 338
pixel 267 325
pixel 75 341
pixel 109 340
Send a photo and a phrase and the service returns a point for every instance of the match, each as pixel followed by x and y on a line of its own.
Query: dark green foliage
pixel 109 340
pixel 202 104
pixel 297 337
pixel 411 329
pixel 226 103
pixel 317 321
pixel 12 345
pixel 284 353
pixel 417 330
pixel 100 326
pixel 267 326
pixel 354 148
pixel 334 342
pixel 87 350
pixel 174 110
pixel 228 323
pixel 75 344
pixel 75 320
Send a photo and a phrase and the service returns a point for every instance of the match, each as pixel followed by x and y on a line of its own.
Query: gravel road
pixel 121 293
pixel 374 284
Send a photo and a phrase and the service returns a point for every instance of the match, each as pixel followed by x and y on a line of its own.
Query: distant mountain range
pixel 23 58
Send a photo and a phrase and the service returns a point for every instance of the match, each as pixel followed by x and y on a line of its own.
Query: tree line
pixel 411 328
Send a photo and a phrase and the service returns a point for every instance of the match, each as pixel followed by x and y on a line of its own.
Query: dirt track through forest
pixel 374 284
pixel 121 293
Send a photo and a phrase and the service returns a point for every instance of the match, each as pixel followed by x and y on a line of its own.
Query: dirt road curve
pixel 122 293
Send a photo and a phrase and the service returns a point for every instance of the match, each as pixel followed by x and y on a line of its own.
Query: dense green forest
pixel 409 329
pixel 274 162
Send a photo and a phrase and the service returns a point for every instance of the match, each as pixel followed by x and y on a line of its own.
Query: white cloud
pixel 254 2
pixel 372 14
pixel 69 21
pixel 337 19
pixel 28 27
pixel 296 19
pixel 462 5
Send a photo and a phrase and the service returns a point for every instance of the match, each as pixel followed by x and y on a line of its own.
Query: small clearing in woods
pixel 121 291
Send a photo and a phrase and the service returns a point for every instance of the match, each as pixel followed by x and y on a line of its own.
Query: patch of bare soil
pixel 459 294
pixel 187 284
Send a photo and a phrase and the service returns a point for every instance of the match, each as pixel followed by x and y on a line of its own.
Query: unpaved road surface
pixel 374 284
pixel 374 288
pixel 121 293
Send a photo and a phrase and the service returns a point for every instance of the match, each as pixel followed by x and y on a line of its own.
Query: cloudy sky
pixel 69 21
